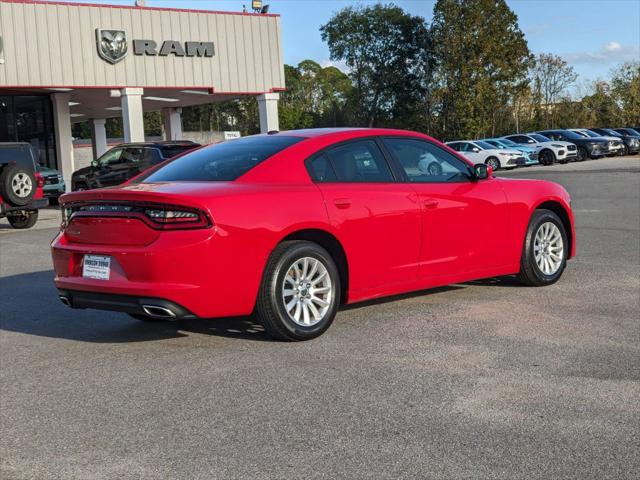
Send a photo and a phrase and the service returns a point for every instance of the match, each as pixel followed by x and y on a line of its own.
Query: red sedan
pixel 290 225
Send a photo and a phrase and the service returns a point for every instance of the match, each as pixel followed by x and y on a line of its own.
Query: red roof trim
pixel 133 7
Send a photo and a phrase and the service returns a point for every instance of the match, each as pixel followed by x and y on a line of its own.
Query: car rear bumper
pixel 150 306
pixel 204 273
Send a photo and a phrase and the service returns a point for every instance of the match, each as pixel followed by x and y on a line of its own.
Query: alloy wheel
pixel 548 248
pixel 21 185
pixel 307 291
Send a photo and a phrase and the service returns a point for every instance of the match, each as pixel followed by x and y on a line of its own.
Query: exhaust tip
pixel 65 300
pixel 158 311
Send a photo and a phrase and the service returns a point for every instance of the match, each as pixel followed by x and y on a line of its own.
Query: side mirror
pixel 476 149
pixel 94 163
pixel 482 171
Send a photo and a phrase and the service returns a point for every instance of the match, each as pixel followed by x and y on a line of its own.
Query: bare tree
pixel 550 77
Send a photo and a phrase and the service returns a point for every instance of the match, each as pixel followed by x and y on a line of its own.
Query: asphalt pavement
pixel 481 380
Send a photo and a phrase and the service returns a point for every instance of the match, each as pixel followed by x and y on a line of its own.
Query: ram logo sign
pixel 112 44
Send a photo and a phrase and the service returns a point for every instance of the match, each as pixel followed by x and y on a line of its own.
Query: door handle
pixel 430 203
pixel 342 202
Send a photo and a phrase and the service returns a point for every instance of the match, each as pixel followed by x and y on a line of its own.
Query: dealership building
pixel 62 63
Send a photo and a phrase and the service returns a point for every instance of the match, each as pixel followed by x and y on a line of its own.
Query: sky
pixel 594 36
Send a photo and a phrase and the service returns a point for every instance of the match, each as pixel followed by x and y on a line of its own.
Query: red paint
pixel 132 7
pixel 397 237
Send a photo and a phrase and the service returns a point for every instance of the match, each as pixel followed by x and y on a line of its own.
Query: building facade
pixel 62 63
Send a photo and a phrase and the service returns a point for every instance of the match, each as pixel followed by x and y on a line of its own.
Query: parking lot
pixel 481 380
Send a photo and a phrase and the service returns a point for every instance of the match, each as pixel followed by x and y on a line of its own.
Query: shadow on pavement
pixel 29 304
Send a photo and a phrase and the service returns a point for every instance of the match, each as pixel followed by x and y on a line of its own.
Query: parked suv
pixel 631 142
pixel 20 185
pixel 126 161
pixel 549 151
pixel 587 147
pixel 616 145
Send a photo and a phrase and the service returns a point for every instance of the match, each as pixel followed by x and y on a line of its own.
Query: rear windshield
pixel 222 162
pixel 20 154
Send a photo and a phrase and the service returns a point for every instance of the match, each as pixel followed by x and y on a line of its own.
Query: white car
pixel 549 151
pixel 479 151
pixel 616 145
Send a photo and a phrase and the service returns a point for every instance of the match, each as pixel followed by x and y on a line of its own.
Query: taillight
pixel 39 179
pixel 157 216
pixel 173 218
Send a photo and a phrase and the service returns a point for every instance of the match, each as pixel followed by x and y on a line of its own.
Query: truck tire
pixel 23 220
pixel 17 185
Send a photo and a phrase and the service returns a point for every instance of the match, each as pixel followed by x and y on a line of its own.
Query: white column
pixel 64 141
pixel 172 118
pixel 132 121
pixel 268 107
pixel 98 137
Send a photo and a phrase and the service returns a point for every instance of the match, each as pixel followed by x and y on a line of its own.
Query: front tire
pixel 494 163
pixel 547 157
pixel 582 154
pixel 544 255
pixel 23 220
pixel 300 291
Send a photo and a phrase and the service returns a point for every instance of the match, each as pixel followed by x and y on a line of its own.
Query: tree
pixel 625 90
pixel 482 59
pixel 387 52
pixel 550 78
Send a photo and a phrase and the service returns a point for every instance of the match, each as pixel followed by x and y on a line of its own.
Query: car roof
pixel 326 132
pixel 162 143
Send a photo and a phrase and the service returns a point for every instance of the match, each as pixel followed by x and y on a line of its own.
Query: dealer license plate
pixel 96 266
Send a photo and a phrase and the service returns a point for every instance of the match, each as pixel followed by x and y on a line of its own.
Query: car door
pixel 464 221
pixel 377 218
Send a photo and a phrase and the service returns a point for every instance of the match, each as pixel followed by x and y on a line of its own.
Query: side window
pixel 110 158
pixel 132 155
pixel 520 139
pixel 360 161
pixel 321 169
pixel 424 162
pixel 454 146
pixel 467 147
pixel 151 156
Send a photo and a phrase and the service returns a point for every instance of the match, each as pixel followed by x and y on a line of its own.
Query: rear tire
pixel 300 291
pixel 23 220
pixel 545 250
pixel 17 185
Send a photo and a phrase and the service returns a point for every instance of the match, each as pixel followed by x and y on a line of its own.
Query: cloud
pixel 339 65
pixel 612 52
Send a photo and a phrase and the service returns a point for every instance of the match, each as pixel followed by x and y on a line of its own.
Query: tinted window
pixel 360 161
pixel 424 162
pixel 455 146
pixel 520 139
pixel 20 154
pixel 485 145
pixel 151 156
pixel 222 162
pixel 321 169
pixel 111 157
pixel 132 155
pixel 539 138
pixel 169 151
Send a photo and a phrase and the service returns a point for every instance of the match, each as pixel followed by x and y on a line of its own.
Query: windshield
pixel 496 144
pixel 485 145
pixel 583 133
pixel 591 133
pixel 573 135
pixel 613 133
pixel 539 138
pixel 222 162
pixel 509 143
